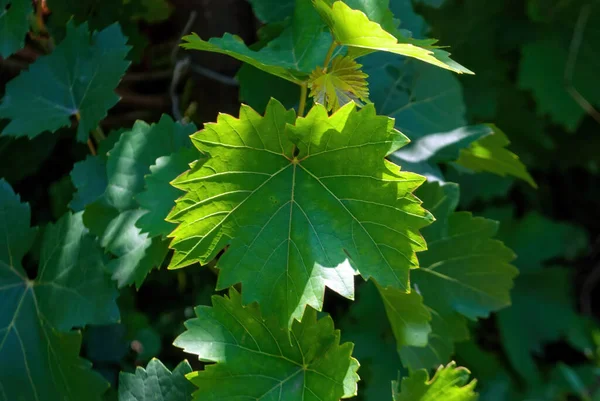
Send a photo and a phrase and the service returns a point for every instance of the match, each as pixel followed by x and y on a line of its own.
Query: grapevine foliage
pixel 339 165
pixel 335 206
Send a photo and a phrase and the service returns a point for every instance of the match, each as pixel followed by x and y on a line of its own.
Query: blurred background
pixel 537 65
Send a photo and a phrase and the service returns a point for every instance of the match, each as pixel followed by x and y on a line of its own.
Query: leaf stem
pixel 329 54
pixel 302 106
pixel 90 144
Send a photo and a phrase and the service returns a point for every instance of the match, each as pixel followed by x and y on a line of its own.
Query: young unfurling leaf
pixel 340 84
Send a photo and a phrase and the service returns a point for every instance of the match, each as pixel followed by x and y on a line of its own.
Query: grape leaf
pixel 292 56
pixel 354 29
pixel 408 316
pixel 100 14
pixel 159 196
pixel 131 157
pixel 137 253
pixel 490 154
pixel 423 99
pixel 14 25
pixel 156 383
pixel 89 177
pixel 537 239
pixel 464 270
pixel 71 290
pixel 446 330
pixel 422 155
pixel 114 215
pixel 367 326
pixel 542 312
pixel 449 383
pixel 85 72
pixel 272 10
pixel 464 273
pixel 256 358
pixel 550 91
pixel 342 83
pixel 297 223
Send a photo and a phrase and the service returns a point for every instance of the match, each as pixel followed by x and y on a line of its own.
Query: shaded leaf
pixel 71 290
pixel 366 325
pixel 422 98
pixel 156 383
pixel 114 215
pixel 542 312
pixel 89 178
pixel 159 197
pixel 297 223
pixel 14 25
pixel 85 69
pixel 256 358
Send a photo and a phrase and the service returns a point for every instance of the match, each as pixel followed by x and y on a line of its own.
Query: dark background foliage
pixel 522 89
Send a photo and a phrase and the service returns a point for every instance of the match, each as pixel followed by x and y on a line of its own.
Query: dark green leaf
pixel 14 25
pixel 85 71
pixel 71 290
pixel 159 197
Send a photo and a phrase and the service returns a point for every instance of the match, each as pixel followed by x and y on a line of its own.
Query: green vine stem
pixel 303 93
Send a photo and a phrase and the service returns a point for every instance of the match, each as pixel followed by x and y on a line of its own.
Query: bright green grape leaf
pixel 354 29
pixel 14 25
pixel 293 55
pixel 449 383
pixel 340 84
pixel 536 239
pixel 297 223
pixel 156 383
pixel 159 196
pixel 89 178
pixel 490 154
pixel 85 72
pixel 408 316
pixel 71 290
pixel 542 312
pixel 366 325
pixel 255 358
pixel 464 269
pixel 422 98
